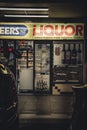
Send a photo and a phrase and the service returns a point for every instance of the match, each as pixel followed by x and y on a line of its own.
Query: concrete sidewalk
pixel 45 111
pixel 42 121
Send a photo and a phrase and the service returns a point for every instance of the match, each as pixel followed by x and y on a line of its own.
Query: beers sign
pixel 43 31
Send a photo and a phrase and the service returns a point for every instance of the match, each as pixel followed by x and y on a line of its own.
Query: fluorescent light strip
pixel 26 16
pixel 25 9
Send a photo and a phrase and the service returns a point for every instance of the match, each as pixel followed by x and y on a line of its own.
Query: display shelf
pixel 67 63
pixel 42 68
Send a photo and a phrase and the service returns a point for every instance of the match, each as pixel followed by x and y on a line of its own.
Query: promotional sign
pixel 14 31
pixel 34 31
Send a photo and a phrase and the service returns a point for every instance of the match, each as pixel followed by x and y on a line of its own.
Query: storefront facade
pixel 53 55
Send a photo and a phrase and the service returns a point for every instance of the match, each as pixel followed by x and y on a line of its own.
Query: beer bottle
pixel 68 55
pixel 63 55
pixel 74 54
pixel 79 55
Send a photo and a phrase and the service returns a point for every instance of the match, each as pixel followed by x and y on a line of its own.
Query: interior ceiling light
pixel 33 16
pixel 25 9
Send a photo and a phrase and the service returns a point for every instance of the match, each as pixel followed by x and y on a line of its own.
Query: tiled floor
pixel 45 112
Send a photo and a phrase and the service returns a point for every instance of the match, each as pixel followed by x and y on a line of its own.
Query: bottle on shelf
pixel 74 54
pixel 39 85
pixel 79 52
pixel 68 55
pixel 57 51
pixel 63 55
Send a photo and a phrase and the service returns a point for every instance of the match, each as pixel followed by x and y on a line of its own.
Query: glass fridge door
pixel 25 67
pixel 42 67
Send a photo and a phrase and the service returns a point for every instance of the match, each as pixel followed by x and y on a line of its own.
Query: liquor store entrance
pixel 35 67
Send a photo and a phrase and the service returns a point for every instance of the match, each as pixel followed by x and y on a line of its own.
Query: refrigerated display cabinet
pixel 42 67
pixel 25 67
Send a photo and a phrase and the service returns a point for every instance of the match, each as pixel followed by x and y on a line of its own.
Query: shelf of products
pixel 42 67
pixel 25 67
pixel 68 74
pixel 27 55
pixel 67 63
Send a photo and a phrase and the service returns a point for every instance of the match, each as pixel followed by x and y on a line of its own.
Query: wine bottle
pixel 73 55
pixel 37 84
pixel 57 51
pixel 63 55
pixel 79 55
pixel 68 55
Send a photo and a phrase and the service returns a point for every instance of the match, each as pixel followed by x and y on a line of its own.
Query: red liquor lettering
pixel 58 31
pixel 38 32
pixel 49 30
pixel 69 30
pixel 61 30
pixel 79 30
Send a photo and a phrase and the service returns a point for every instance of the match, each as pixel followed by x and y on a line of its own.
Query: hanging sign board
pixel 34 31
pixel 58 31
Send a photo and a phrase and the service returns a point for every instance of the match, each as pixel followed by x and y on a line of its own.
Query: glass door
pixel 42 66
pixel 25 67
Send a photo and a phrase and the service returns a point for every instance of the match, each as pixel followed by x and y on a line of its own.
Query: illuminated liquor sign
pixel 58 31
pixel 42 31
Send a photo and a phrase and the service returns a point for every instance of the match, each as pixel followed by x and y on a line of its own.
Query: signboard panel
pixel 15 31
pixel 49 31
pixel 58 31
